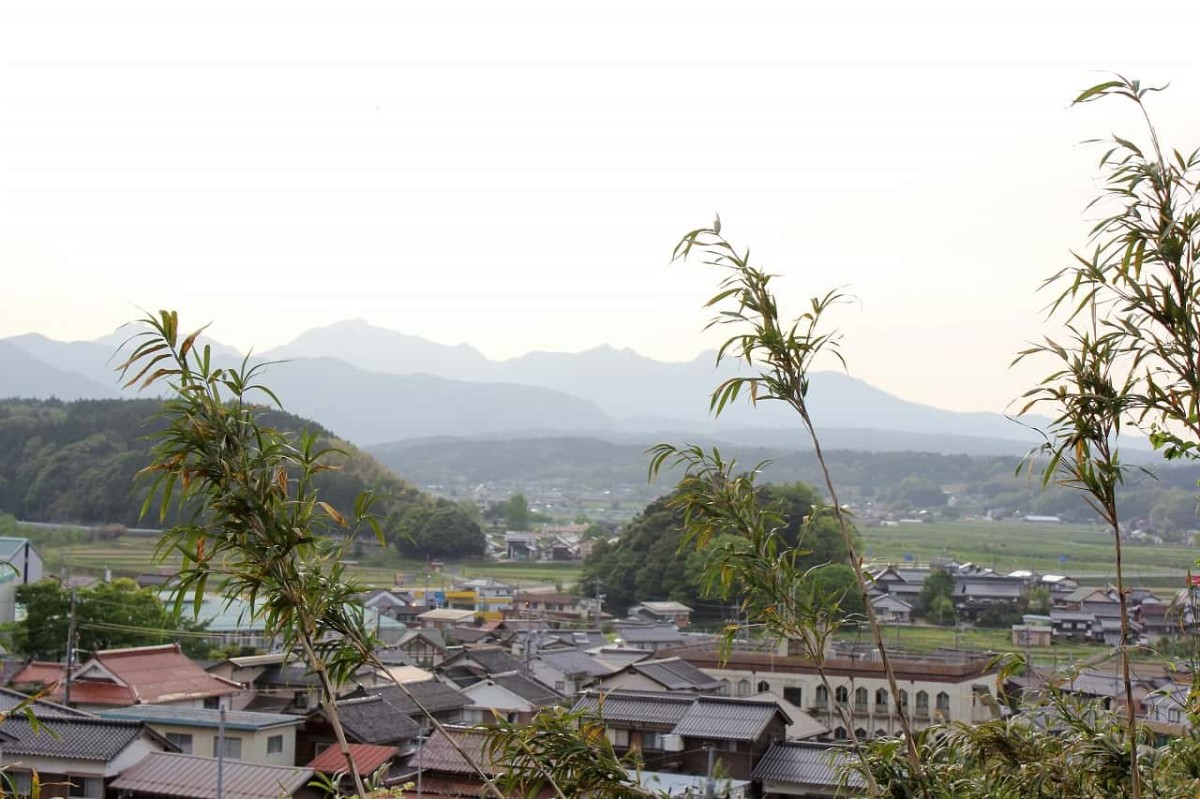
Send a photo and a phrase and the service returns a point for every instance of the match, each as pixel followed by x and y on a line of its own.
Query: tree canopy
pixel 647 562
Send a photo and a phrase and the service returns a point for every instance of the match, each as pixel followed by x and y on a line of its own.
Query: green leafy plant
pixel 254 525
pixel 780 357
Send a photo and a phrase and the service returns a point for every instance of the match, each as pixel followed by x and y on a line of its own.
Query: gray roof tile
pixel 65 736
pixel 676 674
pixel 805 764
pixel 374 720
pixel 725 719
pixel 528 689
pixel 643 708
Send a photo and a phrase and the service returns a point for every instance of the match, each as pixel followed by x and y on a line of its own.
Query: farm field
pixel 1009 545
pixel 922 639
pixel 129 556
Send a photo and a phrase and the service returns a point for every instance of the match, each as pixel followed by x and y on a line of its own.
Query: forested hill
pixel 75 462
pixel 893 481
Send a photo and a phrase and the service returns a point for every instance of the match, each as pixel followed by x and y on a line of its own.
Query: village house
pixel 264 738
pixel 178 776
pixel 155 675
pixel 672 731
pixel 668 674
pixel 931 689
pixel 73 755
pixel 675 613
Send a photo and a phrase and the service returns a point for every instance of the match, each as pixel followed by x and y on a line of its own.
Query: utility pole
pixel 710 786
pixel 599 603
pixel 221 754
pixel 70 650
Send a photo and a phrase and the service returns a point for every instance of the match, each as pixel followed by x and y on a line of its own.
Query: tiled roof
pixel 10 699
pixel 712 717
pixel 438 754
pixel 38 671
pixel 435 696
pixel 493 659
pixel 631 707
pixel 528 689
pixel 367 757
pixel 572 661
pixel 374 720
pixel 806 764
pixel 292 673
pixel 202 717
pixel 726 719
pixel 190 777
pixel 159 674
pixel 652 634
pixel 67 737
pixel 676 675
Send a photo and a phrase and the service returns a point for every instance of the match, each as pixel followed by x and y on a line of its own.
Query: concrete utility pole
pixel 710 786
pixel 220 793
pixel 70 650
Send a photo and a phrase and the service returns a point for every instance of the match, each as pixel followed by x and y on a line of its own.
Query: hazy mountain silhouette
pixel 25 376
pixel 374 385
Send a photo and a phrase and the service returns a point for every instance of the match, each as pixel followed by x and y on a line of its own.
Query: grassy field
pixel 130 556
pixel 1009 545
pixel 1004 546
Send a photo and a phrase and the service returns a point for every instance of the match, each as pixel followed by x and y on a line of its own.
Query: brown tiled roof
pixel 162 674
pixel 368 758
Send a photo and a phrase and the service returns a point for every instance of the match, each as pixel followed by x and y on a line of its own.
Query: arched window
pixel 881 700
pixel 842 694
pixel 860 734
pixel 861 697
pixel 724 689
pixel 903 701
pixel 922 703
pixel 822 696
pixel 743 688
pixel 840 734
pixel 763 686
pixel 880 734
pixel 943 703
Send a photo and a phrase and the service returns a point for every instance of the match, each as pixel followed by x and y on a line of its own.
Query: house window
pixel 85 787
pixel 212 702
pixel 21 782
pixel 743 688
pixel 794 694
pixel 881 700
pixel 181 739
pixel 617 737
pixel 763 686
pixel 1173 715
pixel 943 703
pixel 842 694
pixel 860 700
pixel 560 686
pixel 922 703
pixel 880 734
pixel 860 734
pixel 903 701
pixel 651 740
pixel 275 745
pixel 840 734
pixel 233 748
pixel 724 689
pixel 822 696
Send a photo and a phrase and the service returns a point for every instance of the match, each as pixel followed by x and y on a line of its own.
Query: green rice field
pixel 1009 545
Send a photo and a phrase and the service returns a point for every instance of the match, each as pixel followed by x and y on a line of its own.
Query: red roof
pixel 143 675
pixel 368 758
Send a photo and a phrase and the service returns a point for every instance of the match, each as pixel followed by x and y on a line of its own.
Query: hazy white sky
pixel 515 175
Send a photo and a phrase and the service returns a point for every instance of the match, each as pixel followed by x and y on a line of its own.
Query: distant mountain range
pixel 373 385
